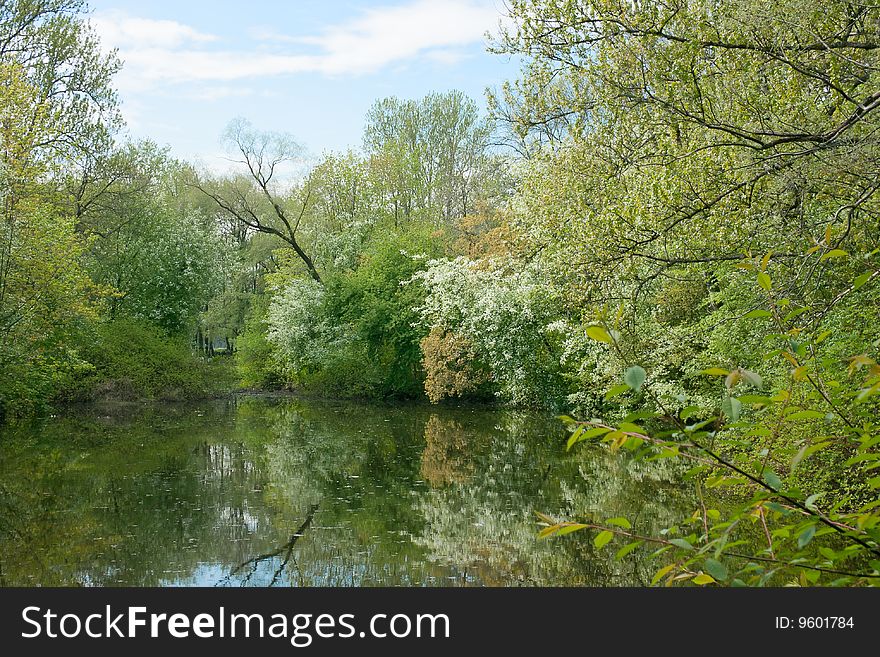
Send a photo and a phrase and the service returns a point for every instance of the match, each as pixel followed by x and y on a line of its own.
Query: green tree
pixel 701 186
pixel 70 76
pixel 257 199
pixel 43 290
pixel 160 254
pixel 431 156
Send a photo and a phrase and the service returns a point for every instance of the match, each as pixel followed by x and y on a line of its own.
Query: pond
pixel 263 491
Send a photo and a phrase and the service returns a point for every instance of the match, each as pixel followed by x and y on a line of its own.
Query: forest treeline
pixel 667 228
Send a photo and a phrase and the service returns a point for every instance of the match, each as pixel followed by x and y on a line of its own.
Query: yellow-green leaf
pixel 603 538
pixel 702 579
pixel 619 522
pixel 599 334
pixel 861 280
pixel 660 573
pixel 834 253
pixel 626 549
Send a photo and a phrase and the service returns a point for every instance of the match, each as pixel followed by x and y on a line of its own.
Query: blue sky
pixel 311 69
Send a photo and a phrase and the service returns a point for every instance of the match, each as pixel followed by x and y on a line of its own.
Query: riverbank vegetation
pixel 667 229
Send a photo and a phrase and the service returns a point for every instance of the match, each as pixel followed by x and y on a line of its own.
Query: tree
pixel 43 289
pixel 159 254
pixel 681 116
pixel 707 207
pixel 345 208
pixel 254 199
pixel 71 77
pixel 431 155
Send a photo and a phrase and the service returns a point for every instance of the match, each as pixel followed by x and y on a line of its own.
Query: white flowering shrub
pixel 302 337
pixel 507 315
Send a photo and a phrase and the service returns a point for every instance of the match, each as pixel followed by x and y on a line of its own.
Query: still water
pixel 258 491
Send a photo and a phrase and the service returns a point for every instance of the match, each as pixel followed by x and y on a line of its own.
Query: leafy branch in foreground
pixel 765 529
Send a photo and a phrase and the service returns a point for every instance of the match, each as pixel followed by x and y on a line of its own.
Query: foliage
pixel 131 360
pixel 451 366
pixel 686 251
pixel 44 292
pixel 160 255
pixel 354 335
pixel 508 318
pixel 751 444
pixel 700 190
pixel 70 75
pixel 255 360
pixel 430 156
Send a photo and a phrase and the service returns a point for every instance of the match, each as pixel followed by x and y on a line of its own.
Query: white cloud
pixel 387 35
pixel 119 30
pixel 211 93
pixel 446 56
pixel 161 52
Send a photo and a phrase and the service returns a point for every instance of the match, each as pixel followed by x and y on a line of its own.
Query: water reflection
pixel 260 492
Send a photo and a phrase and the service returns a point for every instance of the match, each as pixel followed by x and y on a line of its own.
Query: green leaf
pixel 732 408
pixel 716 569
pixel 810 502
pixel 560 529
pixel 689 412
pixel 763 400
pixel 806 451
pixel 758 312
pixel 874 482
pixel 635 377
pixel 640 415
pixel 615 391
pixel 599 334
pixel 764 281
pixel 603 538
pixel 821 337
pixel 828 553
pixel 619 522
pixel 772 479
pixel 861 280
pixel 715 371
pixel 629 427
pixel 582 434
pixel 695 471
pixel 834 253
pixel 682 543
pixel 806 536
pixel 699 425
pixel 797 312
pixel 660 573
pixel 626 549
pixel 702 579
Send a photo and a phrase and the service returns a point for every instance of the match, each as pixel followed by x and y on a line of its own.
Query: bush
pixel 356 335
pixel 255 361
pixel 130 359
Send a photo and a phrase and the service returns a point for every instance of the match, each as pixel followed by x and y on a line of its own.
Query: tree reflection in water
pixel 213 494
